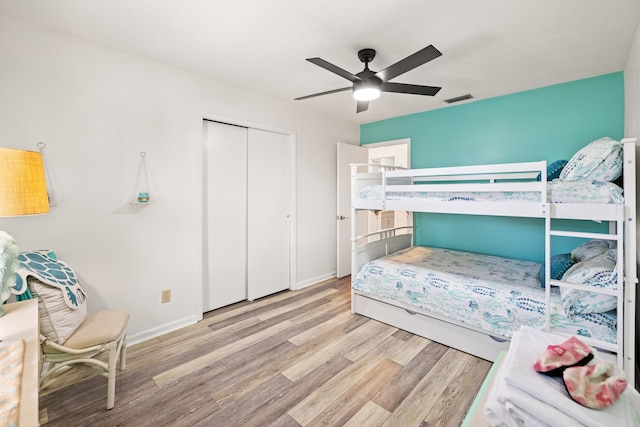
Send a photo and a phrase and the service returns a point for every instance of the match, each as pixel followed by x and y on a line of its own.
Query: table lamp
pixel 23 191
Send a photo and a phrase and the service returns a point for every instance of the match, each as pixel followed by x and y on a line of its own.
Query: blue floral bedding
pixel 491 293
pixel 557 192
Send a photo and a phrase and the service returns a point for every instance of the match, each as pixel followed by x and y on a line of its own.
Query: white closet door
pixel 268 213
pixel 226 193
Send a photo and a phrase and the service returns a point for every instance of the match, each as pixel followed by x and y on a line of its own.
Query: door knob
pixel 340 217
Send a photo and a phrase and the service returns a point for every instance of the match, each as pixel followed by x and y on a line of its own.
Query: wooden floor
pixel 295 358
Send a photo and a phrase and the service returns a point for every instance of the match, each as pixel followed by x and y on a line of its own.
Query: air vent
pixel 458 99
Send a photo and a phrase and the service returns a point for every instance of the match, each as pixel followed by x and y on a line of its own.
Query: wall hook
pixel 53 200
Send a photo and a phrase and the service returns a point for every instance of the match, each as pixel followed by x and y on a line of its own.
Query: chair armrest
pixel 49 343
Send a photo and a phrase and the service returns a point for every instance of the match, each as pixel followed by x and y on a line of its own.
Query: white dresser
pixel 20 321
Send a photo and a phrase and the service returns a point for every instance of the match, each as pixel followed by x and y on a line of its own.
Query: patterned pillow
pixel 559 265
pixel 599 271
pixel 590 249
pixel 61 299
pixel 600 160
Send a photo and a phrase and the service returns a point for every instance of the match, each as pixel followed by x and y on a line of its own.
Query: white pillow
pixel 600 160
pixel 57 320
pixel 591 248
pixel 598 271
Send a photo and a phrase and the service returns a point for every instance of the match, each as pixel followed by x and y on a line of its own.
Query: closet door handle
pixel 340 217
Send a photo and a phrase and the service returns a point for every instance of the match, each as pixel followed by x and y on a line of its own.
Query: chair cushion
pixel 99 328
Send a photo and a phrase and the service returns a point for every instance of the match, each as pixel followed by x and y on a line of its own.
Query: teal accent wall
pixel 549 123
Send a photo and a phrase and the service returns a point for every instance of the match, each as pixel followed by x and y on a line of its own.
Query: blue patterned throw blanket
pixel 52 272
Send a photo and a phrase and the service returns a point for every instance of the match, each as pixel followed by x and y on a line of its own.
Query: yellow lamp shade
pixel 23 187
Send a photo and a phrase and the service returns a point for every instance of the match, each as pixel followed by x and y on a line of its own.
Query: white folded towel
pixel 509 406
pixel 523 397
pixel 529 343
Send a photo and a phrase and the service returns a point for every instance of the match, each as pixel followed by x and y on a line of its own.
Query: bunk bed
pixel 421 289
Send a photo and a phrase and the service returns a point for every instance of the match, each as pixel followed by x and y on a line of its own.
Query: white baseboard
pixel 190 320
pixel 162 329
pixel 315 280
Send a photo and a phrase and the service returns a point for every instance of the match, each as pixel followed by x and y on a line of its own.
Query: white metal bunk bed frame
pixel 504 177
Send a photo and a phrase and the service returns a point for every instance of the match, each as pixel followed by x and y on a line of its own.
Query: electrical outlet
pixel 166 295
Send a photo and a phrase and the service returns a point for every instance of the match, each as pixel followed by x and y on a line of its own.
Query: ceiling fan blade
pixel 362 106
pixel 409 63
pixel 411 89
pixel 324 93
pixel 334 69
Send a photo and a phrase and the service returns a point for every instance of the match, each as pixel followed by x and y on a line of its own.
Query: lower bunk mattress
pixel 497 295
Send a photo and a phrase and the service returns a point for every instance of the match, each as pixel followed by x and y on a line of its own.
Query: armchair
pixel 102 332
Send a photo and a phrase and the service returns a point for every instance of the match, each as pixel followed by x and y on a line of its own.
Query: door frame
pixel 403 141
pixel 200 211
pixel 383 144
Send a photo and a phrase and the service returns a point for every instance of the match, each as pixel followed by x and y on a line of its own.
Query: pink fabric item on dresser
pixel 595 386
pixel 556 358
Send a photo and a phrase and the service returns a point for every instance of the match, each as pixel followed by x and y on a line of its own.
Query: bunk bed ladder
pixel 622 230
pixel 547 262
pixel 616 233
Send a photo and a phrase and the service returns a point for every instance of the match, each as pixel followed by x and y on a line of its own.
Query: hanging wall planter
pixel 142 191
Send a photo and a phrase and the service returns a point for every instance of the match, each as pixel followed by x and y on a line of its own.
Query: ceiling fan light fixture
pixel 366 90
pixel 366 94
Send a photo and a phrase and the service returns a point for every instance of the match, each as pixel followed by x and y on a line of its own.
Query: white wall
pixel 97 109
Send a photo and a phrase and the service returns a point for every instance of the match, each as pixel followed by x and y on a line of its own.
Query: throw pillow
pixel 560 263
pixel 600 160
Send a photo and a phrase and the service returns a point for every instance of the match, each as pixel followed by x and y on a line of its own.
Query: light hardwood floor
pixel 292 359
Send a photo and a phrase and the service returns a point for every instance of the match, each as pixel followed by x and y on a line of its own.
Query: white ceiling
pixel 490 47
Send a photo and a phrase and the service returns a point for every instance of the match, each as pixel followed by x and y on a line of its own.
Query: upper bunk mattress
pixel 487 292
pixel 557 192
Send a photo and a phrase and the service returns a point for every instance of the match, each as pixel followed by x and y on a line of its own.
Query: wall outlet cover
pixel 166 295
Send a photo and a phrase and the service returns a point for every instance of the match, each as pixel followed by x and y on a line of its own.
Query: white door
pixel 389 153
pixel 268 213
pixel 347 154
pixel 226 216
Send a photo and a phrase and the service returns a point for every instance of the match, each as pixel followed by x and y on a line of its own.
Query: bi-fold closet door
pixel 247 213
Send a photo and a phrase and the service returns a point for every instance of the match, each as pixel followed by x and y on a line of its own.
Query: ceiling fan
pixel 368 84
